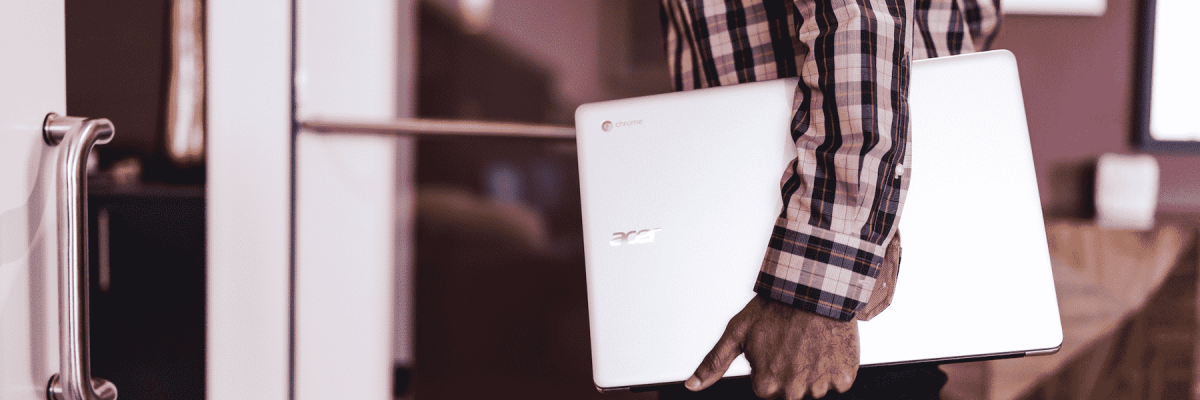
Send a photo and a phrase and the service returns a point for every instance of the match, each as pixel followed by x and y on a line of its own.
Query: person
pixel 844 194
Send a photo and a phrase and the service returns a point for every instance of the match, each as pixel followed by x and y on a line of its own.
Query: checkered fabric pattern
pixel 845 192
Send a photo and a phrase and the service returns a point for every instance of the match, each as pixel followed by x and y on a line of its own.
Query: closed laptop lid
pixel 680 192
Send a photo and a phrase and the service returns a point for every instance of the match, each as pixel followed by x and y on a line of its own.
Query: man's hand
pixel 789 350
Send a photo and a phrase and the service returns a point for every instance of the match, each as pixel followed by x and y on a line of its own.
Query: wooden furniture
pixel 1128 306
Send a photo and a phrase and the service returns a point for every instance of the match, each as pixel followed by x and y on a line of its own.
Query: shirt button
pixel 899 170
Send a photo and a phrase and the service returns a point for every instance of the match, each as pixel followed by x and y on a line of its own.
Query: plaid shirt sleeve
pixel 844 193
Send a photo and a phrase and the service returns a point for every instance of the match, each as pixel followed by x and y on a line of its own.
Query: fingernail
pixel 846 380
pixel 692 383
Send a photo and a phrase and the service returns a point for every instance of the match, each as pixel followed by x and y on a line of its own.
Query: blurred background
pixel 497 305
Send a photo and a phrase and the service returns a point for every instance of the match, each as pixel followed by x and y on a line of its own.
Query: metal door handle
pixel 74 380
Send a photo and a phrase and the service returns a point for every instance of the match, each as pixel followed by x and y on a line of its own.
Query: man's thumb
pixel 718 360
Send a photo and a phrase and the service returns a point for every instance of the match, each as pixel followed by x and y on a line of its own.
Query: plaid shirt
pixel 844 193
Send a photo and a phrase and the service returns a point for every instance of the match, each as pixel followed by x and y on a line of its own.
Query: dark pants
pixel 923 381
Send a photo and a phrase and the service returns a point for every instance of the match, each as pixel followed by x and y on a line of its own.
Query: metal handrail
pixel 437 127
pixel 77 135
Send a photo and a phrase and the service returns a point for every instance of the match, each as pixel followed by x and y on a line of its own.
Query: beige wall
pixel 1078 78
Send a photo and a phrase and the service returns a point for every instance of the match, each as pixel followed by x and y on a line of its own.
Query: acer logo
pixel 633 237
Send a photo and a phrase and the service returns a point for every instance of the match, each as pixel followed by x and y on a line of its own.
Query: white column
pixel 353 199
pixel 249 198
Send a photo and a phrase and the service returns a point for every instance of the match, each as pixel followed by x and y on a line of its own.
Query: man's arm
pixel 952 27
pixel 795 352
pixel 844 193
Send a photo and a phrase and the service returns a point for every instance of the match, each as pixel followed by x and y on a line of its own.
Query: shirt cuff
pixel 819 270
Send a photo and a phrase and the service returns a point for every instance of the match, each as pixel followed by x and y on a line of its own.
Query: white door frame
pixel 305 230
pixel 249 199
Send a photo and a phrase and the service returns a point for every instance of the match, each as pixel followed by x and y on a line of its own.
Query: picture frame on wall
pixel 1081 8
pixel 1166 108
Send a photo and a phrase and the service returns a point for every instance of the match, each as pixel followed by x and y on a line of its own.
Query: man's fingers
pixel 823 374
pixel 797 389
pixel 717 361
pixel 844 381
pixel 765 385
pixel 820 387
pixel 714 365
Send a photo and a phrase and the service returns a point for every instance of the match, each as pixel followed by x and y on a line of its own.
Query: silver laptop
pixel 681 190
